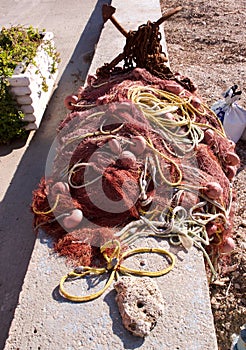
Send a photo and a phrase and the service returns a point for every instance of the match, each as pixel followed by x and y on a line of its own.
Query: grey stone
pixel 140 304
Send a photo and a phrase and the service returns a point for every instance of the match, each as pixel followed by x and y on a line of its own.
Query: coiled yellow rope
pixel 114 265
pixel 154 103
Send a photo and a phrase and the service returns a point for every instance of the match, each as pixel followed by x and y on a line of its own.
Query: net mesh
pixel 139 143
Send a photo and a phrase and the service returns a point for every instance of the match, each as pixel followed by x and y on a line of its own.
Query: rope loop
pixel 114 265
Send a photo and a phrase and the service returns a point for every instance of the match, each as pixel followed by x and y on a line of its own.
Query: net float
pixel 169 116
pixel 228 246
pixel 174 87
pixel 60 187
pixel 188 199
pixel 232 145
pixel 70 101
pixel 211 229
pixel 115 146
pixel 231 172
pixel 127 159
pixel 196 102
pixel 232 158
pixel 73 220
pixel 209 137
pixel 213 190
pixel 147 201
pixel 139 144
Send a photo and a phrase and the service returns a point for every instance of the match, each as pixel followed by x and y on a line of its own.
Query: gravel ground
pixel 205 42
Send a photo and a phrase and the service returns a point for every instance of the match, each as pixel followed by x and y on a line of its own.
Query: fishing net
pixel 139 153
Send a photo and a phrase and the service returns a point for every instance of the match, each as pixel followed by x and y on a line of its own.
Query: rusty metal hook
pixel 107 13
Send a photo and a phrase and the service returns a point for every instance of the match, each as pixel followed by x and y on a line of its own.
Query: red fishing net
pixel 102 149
pixel 139 146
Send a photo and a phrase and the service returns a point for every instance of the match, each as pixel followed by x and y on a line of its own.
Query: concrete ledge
pixel 43 320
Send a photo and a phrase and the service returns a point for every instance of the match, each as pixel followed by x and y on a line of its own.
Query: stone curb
pixel 43 320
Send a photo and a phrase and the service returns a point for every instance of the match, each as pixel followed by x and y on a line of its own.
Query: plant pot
pixel 26 86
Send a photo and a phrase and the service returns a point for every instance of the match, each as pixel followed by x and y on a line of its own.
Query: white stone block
pixel 31 126
pixel 24 100
pixel 19 81
pixel 27 89
pixel 29 117
pixel 27 109
pixel 20 90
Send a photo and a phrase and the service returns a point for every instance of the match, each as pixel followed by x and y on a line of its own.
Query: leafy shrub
pixel 17 44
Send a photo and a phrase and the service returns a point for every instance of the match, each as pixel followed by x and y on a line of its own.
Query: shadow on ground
pixel 17 237
pixel 129 341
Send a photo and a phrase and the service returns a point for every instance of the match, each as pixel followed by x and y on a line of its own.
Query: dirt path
pixel 205 41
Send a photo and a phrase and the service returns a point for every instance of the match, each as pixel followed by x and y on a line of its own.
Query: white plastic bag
pixel 232 116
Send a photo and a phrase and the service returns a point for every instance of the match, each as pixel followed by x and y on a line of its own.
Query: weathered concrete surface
pixel 44 320
pixel 77 29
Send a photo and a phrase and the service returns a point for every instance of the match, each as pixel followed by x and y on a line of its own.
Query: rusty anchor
pixel 108 14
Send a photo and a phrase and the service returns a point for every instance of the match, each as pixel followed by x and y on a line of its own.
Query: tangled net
pixel 139 155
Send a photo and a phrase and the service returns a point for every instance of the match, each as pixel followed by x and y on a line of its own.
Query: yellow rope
pixel 145 96
pixel 154 103
pixel 113 266
pixel 95 133
pixel 150 144
pixel 222 133
pixel 126 270
pixel 49 211
pixel 93 296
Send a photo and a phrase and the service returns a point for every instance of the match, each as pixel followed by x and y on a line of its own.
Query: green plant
pixel 17 45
